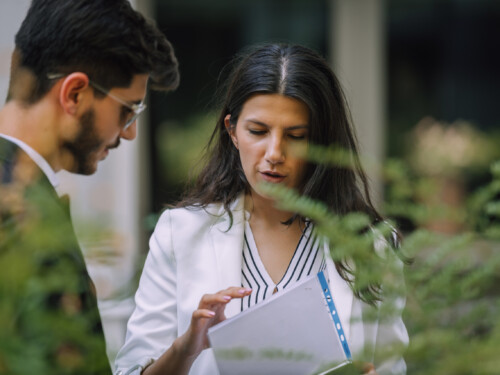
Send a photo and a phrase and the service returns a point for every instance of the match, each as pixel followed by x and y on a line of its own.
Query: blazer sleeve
pixel 392 337
pixel 152 327
pixel 391 341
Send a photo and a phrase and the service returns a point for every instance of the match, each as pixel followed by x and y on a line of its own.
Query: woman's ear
pixel 231 130
pixel 71 92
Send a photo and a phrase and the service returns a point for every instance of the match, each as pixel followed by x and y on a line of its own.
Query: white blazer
pixel 194 252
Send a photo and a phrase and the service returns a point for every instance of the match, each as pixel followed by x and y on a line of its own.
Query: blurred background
pixel 411 59
pixel 421 78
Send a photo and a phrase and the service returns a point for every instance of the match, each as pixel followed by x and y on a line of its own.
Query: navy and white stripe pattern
pixel 308 259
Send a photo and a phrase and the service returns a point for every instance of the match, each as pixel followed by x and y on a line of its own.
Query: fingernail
pixel 245 290
pixel 227 298
pixel 211 313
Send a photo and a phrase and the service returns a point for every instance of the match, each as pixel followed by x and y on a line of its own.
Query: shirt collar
pixel 37 158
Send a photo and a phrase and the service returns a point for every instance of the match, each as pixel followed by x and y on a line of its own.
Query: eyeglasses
pixel 136 109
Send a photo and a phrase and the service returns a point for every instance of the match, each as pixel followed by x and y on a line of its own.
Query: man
pixel 80 70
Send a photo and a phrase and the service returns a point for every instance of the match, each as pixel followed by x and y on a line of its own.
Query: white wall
pixel 11 14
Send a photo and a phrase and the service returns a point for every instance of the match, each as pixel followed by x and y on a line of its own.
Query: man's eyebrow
pixel 294 127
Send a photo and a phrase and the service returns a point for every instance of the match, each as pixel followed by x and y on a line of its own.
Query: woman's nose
pixel 275 152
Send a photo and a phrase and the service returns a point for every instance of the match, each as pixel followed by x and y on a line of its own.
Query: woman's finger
pixel 223 296
pixel 236 292
pixel 213 299
pixel 203 313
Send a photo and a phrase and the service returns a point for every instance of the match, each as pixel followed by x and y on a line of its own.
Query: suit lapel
pixel 12 157
pixel 228 248
pixel 8 151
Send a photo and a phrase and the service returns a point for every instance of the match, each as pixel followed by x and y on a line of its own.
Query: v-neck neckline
pixel 252 247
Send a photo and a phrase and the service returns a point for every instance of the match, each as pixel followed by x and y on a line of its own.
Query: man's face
pixel 86 148
pixel 101 127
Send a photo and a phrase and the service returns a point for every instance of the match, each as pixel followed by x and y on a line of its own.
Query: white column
pixel 12 13
pixel 357 42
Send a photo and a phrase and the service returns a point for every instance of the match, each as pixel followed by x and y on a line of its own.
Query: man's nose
pixel 130 133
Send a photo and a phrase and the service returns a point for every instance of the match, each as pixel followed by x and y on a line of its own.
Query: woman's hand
pixel 179 358
pixel 210 312
pixel 367 368
pixel 364 368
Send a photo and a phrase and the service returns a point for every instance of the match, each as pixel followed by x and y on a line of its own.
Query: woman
pixel 227 246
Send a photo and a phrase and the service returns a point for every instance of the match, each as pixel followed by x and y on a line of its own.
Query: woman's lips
pixel 272 176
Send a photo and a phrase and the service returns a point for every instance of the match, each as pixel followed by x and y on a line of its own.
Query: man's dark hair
pixel 106 39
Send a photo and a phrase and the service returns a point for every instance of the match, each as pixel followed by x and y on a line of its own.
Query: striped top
pixel 308 259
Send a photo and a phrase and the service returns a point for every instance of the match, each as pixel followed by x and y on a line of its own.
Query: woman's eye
pixel 256 132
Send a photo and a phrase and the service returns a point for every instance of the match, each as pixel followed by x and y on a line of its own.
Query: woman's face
pixel 268 127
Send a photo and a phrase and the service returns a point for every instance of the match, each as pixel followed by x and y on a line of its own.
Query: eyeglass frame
pixel 137 109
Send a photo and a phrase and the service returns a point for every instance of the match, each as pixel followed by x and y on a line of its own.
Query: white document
pixel 295 332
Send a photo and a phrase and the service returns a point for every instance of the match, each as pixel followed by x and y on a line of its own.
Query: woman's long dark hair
pixel 296 72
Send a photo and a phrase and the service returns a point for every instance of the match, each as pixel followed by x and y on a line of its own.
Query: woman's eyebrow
pixel 295 127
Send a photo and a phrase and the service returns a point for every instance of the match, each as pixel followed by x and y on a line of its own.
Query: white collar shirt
pixel 37 158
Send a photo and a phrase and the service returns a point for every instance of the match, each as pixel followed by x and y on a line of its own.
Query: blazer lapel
pixel 228 248
pixel 341 292
pixel 13 159
pixel 17 165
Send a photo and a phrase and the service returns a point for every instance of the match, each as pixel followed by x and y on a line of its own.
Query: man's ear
pixel 231 130
pixel 71 92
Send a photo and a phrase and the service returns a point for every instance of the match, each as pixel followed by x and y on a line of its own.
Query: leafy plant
pixel 452 308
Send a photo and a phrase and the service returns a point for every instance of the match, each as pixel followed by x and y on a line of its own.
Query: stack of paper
pixel 295 332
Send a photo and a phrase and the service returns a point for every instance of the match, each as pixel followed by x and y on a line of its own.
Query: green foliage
pixel 180 147
pixel 484 206
pixel 452 308
pixel 452 301
pixel 46 326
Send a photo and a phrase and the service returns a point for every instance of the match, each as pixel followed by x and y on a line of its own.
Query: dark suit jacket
pixel 49 319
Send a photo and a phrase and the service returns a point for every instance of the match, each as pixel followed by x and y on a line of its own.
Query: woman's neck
pixel 276 242
pixel 264 210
